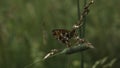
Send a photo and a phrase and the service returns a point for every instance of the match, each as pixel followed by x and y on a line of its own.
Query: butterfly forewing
pixel 63 35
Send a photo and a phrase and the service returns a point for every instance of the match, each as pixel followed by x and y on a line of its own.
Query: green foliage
pixel 25 32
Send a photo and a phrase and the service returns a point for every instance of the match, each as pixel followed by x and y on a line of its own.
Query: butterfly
pixel 64 35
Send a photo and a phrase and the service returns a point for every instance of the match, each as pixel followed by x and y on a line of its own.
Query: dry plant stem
pixel 70 50
pixel 84 13
pixel 79 48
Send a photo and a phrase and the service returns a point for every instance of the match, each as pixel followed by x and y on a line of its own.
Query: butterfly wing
pixel 62 35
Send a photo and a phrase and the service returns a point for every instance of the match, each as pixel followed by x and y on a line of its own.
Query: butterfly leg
pixel 79 40
pixel 68 45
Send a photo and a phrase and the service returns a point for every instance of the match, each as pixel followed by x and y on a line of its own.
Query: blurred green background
pixel 25 33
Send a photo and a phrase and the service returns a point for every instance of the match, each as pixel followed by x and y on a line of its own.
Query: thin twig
pixel 70 50
pixel 83 14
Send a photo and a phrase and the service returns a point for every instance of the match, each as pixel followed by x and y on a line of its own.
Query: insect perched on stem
pixel 65 36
